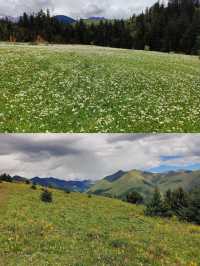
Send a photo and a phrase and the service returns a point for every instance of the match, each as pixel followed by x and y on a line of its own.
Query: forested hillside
pixel 175 27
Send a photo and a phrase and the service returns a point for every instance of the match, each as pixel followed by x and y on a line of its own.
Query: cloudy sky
pixel 93 156
pixel 76 8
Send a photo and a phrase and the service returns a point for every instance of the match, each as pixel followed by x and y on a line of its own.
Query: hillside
pixel 70 88
pixel 78 230
pixel 145 183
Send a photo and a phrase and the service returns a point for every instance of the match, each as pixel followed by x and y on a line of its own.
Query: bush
pixel 46 196
pixel 27 182
pixel 119 243
pixel 134 198
pixel 33 186
pixel 67 191
pixel 89 196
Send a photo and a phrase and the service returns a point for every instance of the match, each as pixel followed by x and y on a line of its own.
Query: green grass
pixel 82 231
pixel 94 89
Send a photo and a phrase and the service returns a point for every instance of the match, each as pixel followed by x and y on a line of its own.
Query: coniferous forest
pixel 171 28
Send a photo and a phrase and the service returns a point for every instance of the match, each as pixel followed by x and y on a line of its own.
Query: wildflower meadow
pixel 66 88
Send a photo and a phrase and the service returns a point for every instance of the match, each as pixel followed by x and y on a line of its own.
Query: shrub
pixel 134 197
pixel 119 243
pixel 67 191
pixel 27 182
pixel 89 196
pixel 46 196
pixel 33 186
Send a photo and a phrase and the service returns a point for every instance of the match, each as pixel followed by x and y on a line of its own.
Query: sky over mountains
pixel 76 8
pixel 93 156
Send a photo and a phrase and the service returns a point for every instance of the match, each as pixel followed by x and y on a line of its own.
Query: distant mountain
pixel 18 178
pixel 79 186
pixel 114 177
pixel 96 18
pixel 65 19
pixel 121 183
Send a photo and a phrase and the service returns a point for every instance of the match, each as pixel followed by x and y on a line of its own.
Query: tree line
pixel 179 203
pixel 171 28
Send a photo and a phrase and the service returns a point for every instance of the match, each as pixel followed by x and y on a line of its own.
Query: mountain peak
pixel 64 19
pixel 114 177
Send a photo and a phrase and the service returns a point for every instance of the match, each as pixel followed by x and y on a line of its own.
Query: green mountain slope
pixel 78 230
pixel 145 183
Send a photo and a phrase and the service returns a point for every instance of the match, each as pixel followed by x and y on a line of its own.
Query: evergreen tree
pixel 193 210
pixel 155 207
pixel 180 202
pixel 134 197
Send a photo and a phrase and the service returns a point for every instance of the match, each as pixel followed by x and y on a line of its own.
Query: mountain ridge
pixel 122 182
pixel 145 183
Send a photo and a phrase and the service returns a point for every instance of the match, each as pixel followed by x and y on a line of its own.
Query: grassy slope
pixel 133 180
pixel 145 183
pixel 94 89
pixel 82 231
pixel 185 180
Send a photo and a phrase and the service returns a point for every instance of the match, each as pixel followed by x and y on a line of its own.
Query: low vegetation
pixel 77 230
pixel 91 89
pixel 46 196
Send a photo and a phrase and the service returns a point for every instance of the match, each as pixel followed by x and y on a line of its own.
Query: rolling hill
pixel 121 183
pixel 78 230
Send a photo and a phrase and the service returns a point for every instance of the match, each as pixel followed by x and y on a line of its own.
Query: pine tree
pixel 134 197
pixel 155 207
pixel 193 210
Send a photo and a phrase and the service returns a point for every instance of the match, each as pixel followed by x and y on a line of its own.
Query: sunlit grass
pixel 78 230
pixel 93 89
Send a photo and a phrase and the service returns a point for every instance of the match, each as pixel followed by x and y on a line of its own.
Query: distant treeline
pixel 171 28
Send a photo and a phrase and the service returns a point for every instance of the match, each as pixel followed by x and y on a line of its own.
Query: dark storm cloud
pixel 31 145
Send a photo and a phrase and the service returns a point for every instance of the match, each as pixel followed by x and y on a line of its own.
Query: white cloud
pixel 76 8
pixel 80 156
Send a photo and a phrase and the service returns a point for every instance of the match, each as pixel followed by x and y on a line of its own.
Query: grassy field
pixel 94 89
pixel 81 231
